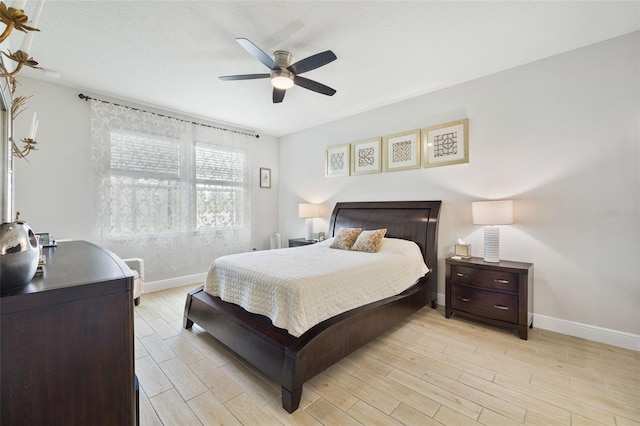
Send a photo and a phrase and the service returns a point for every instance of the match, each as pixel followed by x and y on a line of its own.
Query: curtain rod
pixel 86 98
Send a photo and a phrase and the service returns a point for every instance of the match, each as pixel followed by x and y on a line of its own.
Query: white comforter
pixel 302 286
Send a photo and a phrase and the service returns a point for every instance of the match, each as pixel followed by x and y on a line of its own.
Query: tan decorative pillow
pixel 369 241
pixel 345 238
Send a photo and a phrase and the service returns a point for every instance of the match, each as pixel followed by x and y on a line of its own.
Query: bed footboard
pixel 291 361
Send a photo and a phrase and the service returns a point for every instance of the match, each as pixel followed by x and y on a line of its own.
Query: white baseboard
pixel 195 279
pixel 590 332
pixel 585 331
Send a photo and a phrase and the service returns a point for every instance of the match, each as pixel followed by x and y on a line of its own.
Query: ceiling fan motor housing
pixel 282 58
pixel 281 77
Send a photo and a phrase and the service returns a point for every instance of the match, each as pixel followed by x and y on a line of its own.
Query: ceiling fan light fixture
pixel 282 79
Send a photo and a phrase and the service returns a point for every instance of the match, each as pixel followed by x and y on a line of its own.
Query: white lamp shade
pixel 492 212
pixel 308 210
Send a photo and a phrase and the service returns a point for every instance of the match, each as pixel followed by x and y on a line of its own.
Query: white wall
pixel 54 189
pixel 559 136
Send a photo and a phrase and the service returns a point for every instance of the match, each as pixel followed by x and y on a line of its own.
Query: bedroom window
pixel 220 175
pixel 145 175
pixel 171 191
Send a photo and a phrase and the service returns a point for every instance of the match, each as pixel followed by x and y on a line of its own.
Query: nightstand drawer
pixel 499 306
pixel 494 280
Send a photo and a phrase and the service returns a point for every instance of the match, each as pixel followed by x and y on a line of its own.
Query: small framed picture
pixel 462 251
pixel 446 144
pixel 365 156
pixel 337 160
pixel 45 240
pixel 265 178
pixel 401 151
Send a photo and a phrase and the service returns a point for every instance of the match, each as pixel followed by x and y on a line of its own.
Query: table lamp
pixel 491 213
pixel 309 212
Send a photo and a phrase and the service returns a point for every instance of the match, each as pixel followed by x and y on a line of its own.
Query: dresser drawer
pixel 500 306
pixel 493 280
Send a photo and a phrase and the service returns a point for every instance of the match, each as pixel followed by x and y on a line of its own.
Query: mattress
pixel 300 287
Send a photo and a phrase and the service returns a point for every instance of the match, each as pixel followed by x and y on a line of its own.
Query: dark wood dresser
pixel 67 351
pixel 499 293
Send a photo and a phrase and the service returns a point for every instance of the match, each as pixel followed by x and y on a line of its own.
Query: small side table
pixel 498 293
pixel 297 242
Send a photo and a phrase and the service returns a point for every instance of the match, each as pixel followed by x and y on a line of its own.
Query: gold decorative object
pixel 17 107
pixel 22 59
pixel 13 19
pixel 16 19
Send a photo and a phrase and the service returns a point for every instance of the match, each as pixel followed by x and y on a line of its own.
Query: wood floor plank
pixel 173 410
pixel 362 390
pixel 151 377
pixel 438 394
pixel 329 414
pixel 518 395
pixel 408 396
pixel 157 348
pixel 410 416
pixel 184 349
pixel 184 381
pixel 249 413
pixel 568 402
pixel 148 415
pixel 220 385
pixel 450 417
pixel 162 328
pixel 299 417
pixel 139 349
pixel 211 411
pixel 331 392
pixel 487 401
pixel 368 415
pixel 261 389
pixel 141 328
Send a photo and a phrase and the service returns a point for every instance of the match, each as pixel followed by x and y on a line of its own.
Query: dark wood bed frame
pixel 291 361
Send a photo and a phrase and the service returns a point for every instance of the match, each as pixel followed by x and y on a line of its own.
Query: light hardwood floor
pixel 426 371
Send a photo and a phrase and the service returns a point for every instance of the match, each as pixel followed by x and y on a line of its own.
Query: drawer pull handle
pixel 464 299
pixel 501 281
pixel 503 307
pixel 461 275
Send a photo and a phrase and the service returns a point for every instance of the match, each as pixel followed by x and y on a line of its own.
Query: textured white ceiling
pixel 170 53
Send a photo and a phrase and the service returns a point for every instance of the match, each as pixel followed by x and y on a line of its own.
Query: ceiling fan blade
pixel 313 85
pixel 312 62
pixel 257 53
pixel 243 77
pixel 278 95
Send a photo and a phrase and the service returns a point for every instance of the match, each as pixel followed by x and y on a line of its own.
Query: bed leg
pixel 434 304
pixel 291 400
pixel 186 322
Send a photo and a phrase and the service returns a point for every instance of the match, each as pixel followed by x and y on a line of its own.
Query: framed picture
pixel 401 151
pixel 265 178
pixel 337 160
pixel 446 144
pixel 365 156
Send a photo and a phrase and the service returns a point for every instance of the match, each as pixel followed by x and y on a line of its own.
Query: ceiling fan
pixel 283 74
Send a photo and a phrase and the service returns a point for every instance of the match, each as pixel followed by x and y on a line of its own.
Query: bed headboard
pixel 410 220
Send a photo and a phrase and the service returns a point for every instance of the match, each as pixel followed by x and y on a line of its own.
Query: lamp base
pixel 309 229
pixel 491 244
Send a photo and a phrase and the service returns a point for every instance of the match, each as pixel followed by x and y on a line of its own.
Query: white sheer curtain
pixel 172 192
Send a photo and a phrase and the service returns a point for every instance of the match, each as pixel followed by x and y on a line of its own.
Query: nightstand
pixel 499 294
pixel 297 242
